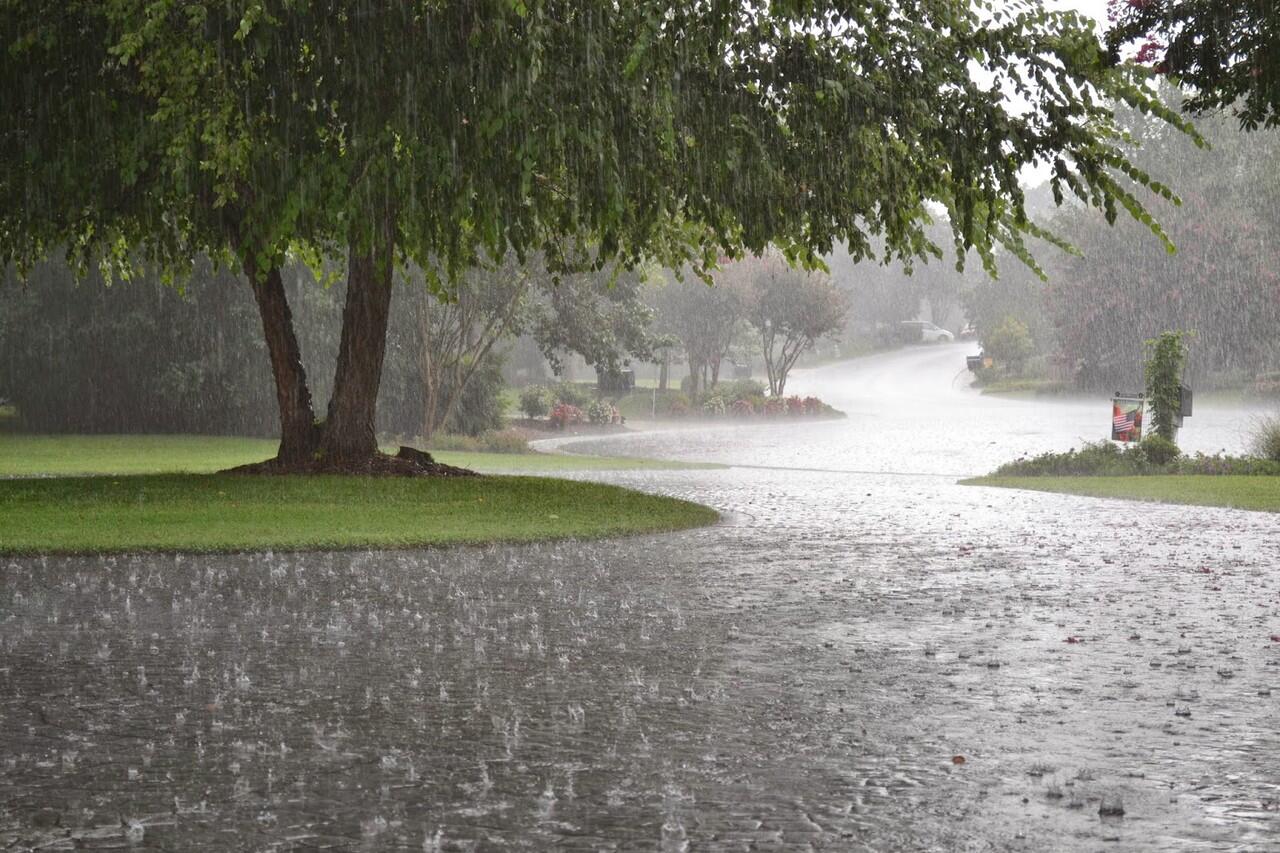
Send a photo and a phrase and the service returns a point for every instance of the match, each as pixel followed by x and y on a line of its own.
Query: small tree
pixel 1168 355
pixel 456 335
pixel 703 319
pixel 790 309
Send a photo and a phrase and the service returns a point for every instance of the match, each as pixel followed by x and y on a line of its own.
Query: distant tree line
pixel 76 356
pixel 141 356
pixel 1089 320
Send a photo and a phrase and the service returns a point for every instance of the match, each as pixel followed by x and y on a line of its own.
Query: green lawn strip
pixel 66 455
pixel 182 512
pixel 534 462
pixel 60 455
pixel 1238 491
pixel 1029 388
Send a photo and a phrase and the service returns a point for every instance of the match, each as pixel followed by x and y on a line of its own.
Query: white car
pixel 925 332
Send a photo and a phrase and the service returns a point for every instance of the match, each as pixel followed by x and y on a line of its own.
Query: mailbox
pixel 1184 405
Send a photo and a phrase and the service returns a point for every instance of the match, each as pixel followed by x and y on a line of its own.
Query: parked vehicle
pixel 922 331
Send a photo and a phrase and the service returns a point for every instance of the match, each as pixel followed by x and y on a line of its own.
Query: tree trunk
pixel 430 370
pixel 662 373
pixel 430 405
pixel 299 436
pixel 349 429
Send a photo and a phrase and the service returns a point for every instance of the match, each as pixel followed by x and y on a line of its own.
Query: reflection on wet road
pixel 808 674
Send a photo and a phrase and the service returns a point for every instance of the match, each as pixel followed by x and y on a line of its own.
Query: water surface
pixel 806 675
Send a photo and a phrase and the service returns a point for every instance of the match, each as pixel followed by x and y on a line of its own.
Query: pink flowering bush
pixel 563 415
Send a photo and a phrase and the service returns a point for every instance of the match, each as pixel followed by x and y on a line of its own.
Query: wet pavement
pixel 873 661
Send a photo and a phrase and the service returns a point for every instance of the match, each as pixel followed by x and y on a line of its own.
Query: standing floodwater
pixel 851 661
pixel 912 411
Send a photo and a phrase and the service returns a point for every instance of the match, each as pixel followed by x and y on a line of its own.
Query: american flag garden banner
pixel 1126 419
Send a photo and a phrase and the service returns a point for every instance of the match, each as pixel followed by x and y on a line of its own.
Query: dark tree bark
pixel 345 442
pixel 299 436
pixel 349 429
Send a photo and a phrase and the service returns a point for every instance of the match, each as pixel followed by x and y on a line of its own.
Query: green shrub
pixel 493 441
pixel 1218 464
pixel 479 407
pixel 1265 438
pixel 1104 459
pixel 572 394
pixel 1159 450
pixel 536 401
pixel 741 389
pixel 640 404
pixel 455 442
pixel 1009 343
pixel 1093 458
pixel 504 441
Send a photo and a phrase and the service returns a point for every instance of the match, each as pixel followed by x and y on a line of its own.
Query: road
pixel 862 656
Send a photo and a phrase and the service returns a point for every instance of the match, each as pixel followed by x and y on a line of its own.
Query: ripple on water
pixel 803 675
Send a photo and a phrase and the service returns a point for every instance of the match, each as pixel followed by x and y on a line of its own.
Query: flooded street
pixel 861 656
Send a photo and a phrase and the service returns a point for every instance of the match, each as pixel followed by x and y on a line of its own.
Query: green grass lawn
pixel 67 455
pixel 1027 387
pixel 105 494
pixel 1239 491
pixel 183 512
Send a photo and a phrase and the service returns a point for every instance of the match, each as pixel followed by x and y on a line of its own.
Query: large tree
pixel 1227 52
pixel 438 132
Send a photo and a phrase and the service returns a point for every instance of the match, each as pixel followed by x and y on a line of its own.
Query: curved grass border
pixel 218 513
pixel 23 455
pixel 1253 492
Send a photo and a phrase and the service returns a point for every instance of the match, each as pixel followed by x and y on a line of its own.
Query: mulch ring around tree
pixel 408 462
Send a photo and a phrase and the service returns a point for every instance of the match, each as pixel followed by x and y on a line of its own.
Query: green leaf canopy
pixel 674 129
